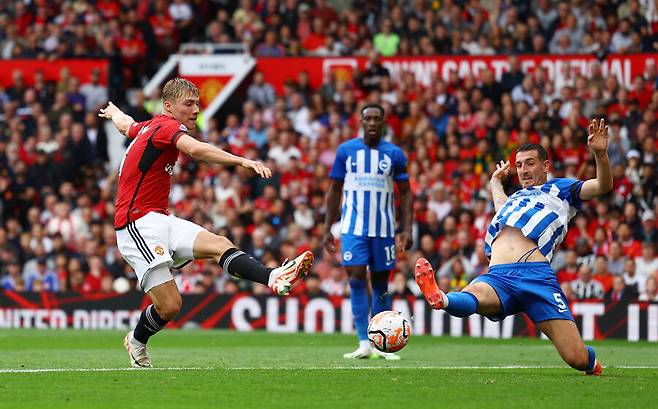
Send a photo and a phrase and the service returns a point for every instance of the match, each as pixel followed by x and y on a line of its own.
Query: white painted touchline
pixel 310 368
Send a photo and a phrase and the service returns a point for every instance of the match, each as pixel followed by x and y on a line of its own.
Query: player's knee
pixel 223 244
pixel 576 359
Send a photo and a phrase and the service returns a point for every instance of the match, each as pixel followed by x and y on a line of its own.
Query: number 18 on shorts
pixel 376 252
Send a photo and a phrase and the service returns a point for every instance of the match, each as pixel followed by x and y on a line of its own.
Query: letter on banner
pixel 242 305
pixel 633 322
pixel 328 316
pixel 588 311
pixel 291 322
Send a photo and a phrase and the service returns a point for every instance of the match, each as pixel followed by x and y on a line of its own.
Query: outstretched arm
pixel 497 190
pixel 332 203
pixel 597 141
pixel 121 120
pixel 209 153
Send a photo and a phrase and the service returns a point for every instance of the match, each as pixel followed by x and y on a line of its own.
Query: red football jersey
pixel 146 169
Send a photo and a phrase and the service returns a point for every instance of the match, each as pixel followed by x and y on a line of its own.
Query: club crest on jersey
pixel 347 256
pixel 183 128
pixel 159 250
pixel 169 168
pixel 385 164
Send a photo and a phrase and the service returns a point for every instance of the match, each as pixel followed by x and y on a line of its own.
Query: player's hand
pixel 502 171
pixel 109 111
pixel 262 170
pixel 597 140
pixel 403 242
pixel 329 243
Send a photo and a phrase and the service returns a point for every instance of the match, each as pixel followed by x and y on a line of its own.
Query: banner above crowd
pixel 426 70
pixel 52 70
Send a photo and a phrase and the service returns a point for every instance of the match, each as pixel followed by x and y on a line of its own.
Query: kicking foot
pixel 597 371
pixel 424 275
pixel 139 355
pixel 283 278
pixel 360 353
pixel 386 355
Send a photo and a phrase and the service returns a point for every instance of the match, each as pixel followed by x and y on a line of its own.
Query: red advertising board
pixel 427 69
pixel 245 312
pixel 52 70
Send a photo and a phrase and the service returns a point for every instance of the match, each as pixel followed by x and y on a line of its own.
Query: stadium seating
pixel 57 188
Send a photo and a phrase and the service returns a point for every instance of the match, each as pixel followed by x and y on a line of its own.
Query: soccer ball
pixel 389 331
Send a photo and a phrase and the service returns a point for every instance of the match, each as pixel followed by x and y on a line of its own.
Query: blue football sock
pixel 591 356
pixel 461 304
pixel 360 307
pixel 380 298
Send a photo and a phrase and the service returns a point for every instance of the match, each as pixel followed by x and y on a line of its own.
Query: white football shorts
pixel 157 240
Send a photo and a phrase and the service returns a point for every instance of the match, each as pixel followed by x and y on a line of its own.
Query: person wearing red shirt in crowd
pixel 317 39
pixel 601 273
pixel 150 239
pixel 324 12
pixel 133 49
pixel 622 186
pixel 23 18
pixel 577 232
pixel 629 246
pixel 569 272
pixel 164 28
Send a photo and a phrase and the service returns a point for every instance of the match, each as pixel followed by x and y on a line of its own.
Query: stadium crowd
pixel 57 190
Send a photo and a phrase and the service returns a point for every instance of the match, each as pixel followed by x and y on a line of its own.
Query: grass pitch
pixel 203 369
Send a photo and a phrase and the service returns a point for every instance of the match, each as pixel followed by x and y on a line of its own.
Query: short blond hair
pixel 177 88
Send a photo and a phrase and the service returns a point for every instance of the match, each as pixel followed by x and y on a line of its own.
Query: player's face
pixel 185 110
pixel 531 170
pixel 372 122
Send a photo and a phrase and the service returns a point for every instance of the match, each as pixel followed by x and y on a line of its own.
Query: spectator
pixel 585 287
pixel 651 292
pixel 260 92
pixel 386 41
pixel 619 292
pixel 647 263
pixel 601 273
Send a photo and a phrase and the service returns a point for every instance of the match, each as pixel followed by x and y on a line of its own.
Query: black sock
pixel 241 265
pixel 149 324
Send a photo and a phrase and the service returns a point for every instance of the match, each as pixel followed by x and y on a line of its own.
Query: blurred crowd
pixel 134 34
pixel 57 189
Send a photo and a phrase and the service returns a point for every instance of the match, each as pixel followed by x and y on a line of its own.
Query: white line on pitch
pixel 310 368
pixel 39 370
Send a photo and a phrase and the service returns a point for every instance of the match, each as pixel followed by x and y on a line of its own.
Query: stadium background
pixel 463 83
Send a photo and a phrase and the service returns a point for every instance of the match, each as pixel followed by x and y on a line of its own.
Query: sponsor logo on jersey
pixel 169 168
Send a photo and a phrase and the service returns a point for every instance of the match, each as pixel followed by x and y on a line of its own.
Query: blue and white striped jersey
pixel 542 213
pixel 367 175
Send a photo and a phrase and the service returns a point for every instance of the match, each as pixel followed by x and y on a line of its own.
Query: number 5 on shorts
pixel 562 306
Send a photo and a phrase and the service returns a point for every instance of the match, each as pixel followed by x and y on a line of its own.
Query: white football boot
pixel 386 355
pixel 139 355
pixel 283 278
pixel 360 353
pixel 363 351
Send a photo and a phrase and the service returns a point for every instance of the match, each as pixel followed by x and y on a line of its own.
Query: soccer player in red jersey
pixel 150 239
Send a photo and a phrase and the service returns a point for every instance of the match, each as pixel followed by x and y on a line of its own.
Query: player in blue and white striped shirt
pixel 520 241
pixel 362 176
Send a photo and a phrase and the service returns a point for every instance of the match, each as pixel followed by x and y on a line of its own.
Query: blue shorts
pixel 527 287
pixel 376 252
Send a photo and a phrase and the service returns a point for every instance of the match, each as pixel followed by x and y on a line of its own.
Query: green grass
pixel 259 370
